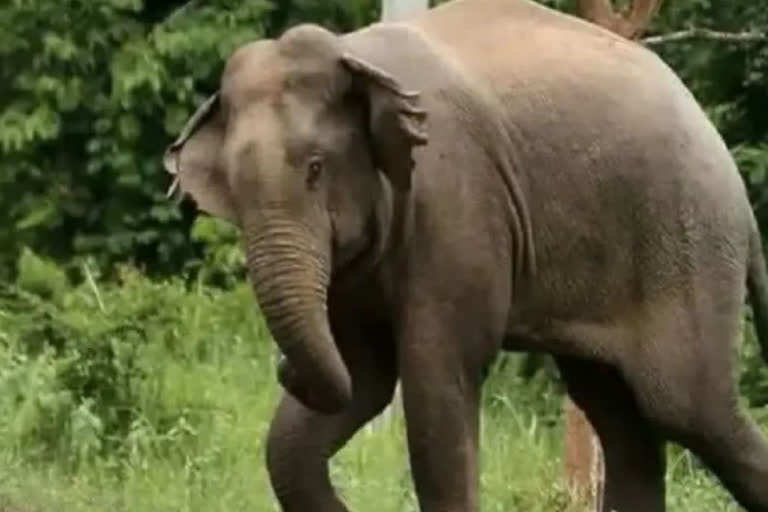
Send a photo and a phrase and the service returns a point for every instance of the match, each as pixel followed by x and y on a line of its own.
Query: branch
pixel 94 288
pixel 705 33
pixel 629 22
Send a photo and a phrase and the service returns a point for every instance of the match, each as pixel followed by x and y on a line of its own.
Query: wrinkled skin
pixel 489 175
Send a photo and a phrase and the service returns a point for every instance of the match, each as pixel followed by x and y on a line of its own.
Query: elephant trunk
pixel 289 269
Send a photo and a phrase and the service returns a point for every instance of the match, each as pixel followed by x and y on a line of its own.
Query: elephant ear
pixel 194 159
pixel 397 120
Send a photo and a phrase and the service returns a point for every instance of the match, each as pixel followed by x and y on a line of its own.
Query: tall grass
pixel 146 396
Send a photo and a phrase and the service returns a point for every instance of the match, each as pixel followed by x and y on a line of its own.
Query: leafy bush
pixel 223 261
pixel 91 372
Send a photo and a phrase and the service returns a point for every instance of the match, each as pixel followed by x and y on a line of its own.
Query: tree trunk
pixel 583 459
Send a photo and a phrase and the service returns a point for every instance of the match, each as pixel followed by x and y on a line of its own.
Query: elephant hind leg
pixel 634 456
pixel 682 378
pixel 735 450
pixel 708 421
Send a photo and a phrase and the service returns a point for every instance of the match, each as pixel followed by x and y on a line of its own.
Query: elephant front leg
pixel 441 401
pixel 301 441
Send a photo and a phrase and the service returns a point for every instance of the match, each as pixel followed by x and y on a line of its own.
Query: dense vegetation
pixel 135 373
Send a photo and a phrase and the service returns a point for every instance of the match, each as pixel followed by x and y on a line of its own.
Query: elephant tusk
pixel 172 188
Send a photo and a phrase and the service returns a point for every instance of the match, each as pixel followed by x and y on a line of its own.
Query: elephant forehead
pixel 309 43
pixel 254 72
pixel 268 139
pixel 304 62
pixel 277 81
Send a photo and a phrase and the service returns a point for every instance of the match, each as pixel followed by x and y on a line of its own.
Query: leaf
pixel 129 127
pixel 40 276
pixel 37 217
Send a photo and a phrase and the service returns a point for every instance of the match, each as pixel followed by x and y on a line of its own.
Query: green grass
pixel 223 471
pixel 192 371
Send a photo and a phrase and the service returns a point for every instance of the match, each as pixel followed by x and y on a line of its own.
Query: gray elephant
pixel 489 175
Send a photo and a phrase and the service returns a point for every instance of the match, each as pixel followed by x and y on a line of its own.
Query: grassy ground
pixel 521 472
pixel 221 470
pixel 193 374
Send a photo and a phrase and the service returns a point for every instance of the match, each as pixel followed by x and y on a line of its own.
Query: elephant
pixel 417 197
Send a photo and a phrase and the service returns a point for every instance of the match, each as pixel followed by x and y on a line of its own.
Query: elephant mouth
pixel 350 261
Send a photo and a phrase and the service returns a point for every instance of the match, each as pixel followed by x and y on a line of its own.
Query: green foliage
pixel 94 91
pixel 223 262
pixel 100 370
pixel 40 276
pixel 339 15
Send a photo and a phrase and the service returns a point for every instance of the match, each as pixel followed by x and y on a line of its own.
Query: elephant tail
pixel 757 286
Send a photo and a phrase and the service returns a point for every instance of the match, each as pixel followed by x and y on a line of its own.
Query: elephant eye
pixel 314 170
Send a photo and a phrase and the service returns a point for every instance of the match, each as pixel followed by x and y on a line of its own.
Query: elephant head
pixel 295 148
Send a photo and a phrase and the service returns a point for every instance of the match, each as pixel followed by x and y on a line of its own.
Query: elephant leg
pixel 300 441
pixel 441 388
pixel 684 385
pixel 633 454
pixel 700 410
pixel 734 448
